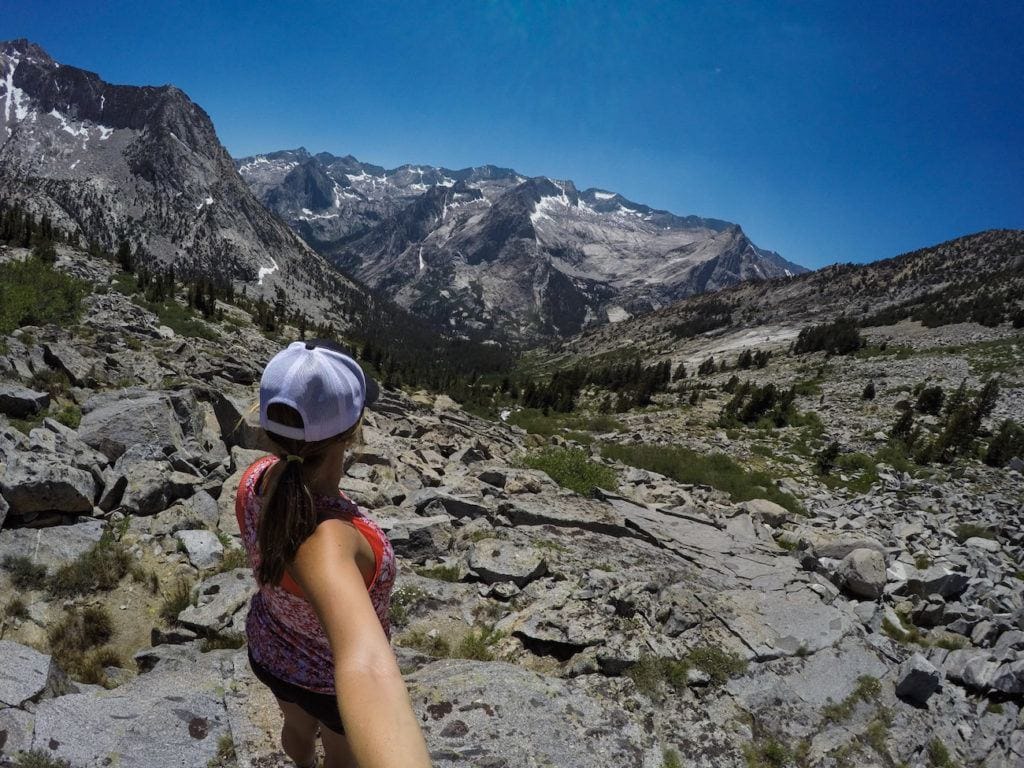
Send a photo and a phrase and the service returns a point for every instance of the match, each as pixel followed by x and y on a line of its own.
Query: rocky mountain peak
pixel 143 164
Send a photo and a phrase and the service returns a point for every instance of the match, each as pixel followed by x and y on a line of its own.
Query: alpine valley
pixel 489 252
pixel 658 497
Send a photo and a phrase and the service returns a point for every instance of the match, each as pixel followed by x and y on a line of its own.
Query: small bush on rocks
pixel 650 673
pixel 98 569
pixel 930 400
pixel 440 572
pixel 24 573
pixel 572 468
pixel 767 754
pixel 477 644
pixel 432 645
pixel 176 600
pixel 37 758
pixel 717 663
pixel 220 640
pixel 1005 444
pixel 77 641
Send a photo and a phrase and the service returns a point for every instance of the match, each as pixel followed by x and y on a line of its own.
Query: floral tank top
pixel 284 633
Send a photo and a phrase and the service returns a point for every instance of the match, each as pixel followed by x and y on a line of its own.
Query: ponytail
pixel 289 514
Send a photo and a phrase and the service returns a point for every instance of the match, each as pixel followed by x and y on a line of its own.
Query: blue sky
pixel 829 131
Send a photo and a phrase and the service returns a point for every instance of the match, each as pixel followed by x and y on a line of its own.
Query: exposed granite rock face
pixel 481 712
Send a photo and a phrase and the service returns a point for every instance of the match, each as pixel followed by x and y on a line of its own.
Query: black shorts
pixel 322 706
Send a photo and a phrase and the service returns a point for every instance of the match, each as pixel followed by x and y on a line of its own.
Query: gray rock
pixel 68 359
pixel 862 572
pixel 771 513
pixel 494 560
pixel 17 726
pixel 421 538
pixel 432 501
pixel 937 580
pixel 37 482
pixel 150 481
pixel 149 419
pixel 203 548
pixel 27 675
pixel 4 509
pixel 496 714
pixel 171 716
pixel 918 680
pixel 51 547
pixel 18 401
pixel 493 476
pixel 986 545
pixel 219 598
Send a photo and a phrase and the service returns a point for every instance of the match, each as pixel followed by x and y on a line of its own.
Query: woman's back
pixel 285 634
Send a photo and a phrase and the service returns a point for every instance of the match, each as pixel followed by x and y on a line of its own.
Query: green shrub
pixel 825 460
pixel 840 337
pixel 930 400
pixel 670 759
pixel 401 600
pixel 697 468
pixel 98 569
pixel 868 688
pixel 1005 444
pixel 15 609
pixel 477 644
pixel 938 755
pixel 37 758
pixel 717 663
pixel 176 600
pixel 572 468
pixel 225 757
pixel 34 293
pixel 431 645
pixel 70 416
pixel 24 573
pixel 55 383
pixel 651 673
pixel 767 754
pixel 869 391
pixel 77 643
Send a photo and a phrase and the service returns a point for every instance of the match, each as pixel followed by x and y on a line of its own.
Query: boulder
pixel 66 358
pixel 148 419
pixel 937 580
pixel 43 482
pixel 918 680
pixel 774 515
pixel 16 726
pixel 18 401
pixel 150 481
pixel 27 675
pixel 421 538
pixel 4 509
pixel 203 548
pixel 862 573
pixel 986 545
pixel 171 716
pixel 433 501
pixel 51 547
pixel 494 560
pixel 218 599
pixel 496 714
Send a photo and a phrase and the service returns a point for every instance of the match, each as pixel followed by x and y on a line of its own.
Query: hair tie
pixel 292 457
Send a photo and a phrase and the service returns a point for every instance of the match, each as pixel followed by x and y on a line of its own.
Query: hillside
pixel 143 165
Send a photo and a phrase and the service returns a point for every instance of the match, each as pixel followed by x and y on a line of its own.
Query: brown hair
pixel 288 516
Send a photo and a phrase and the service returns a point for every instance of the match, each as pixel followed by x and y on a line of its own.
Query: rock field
pixel 655 624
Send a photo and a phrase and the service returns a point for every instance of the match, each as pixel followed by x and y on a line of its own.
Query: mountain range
pixel 487 250
pixel 114 163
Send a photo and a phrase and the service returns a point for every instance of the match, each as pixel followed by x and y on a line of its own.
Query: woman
pixel 318 627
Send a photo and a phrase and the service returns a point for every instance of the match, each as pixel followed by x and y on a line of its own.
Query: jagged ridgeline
pixel 487 249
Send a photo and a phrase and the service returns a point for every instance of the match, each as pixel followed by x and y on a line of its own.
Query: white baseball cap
pixel 322 382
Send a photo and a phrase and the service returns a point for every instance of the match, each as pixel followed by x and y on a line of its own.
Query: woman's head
pixel 312 396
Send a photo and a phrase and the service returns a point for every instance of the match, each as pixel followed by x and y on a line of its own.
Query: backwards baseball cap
pixel 321 381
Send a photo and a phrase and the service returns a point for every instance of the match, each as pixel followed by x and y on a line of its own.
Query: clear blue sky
pixel 830 131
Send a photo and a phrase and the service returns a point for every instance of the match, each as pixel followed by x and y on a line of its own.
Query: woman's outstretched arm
pixel 380 725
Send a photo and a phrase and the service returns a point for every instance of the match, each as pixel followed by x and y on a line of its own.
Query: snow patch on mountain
pixel 264 271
